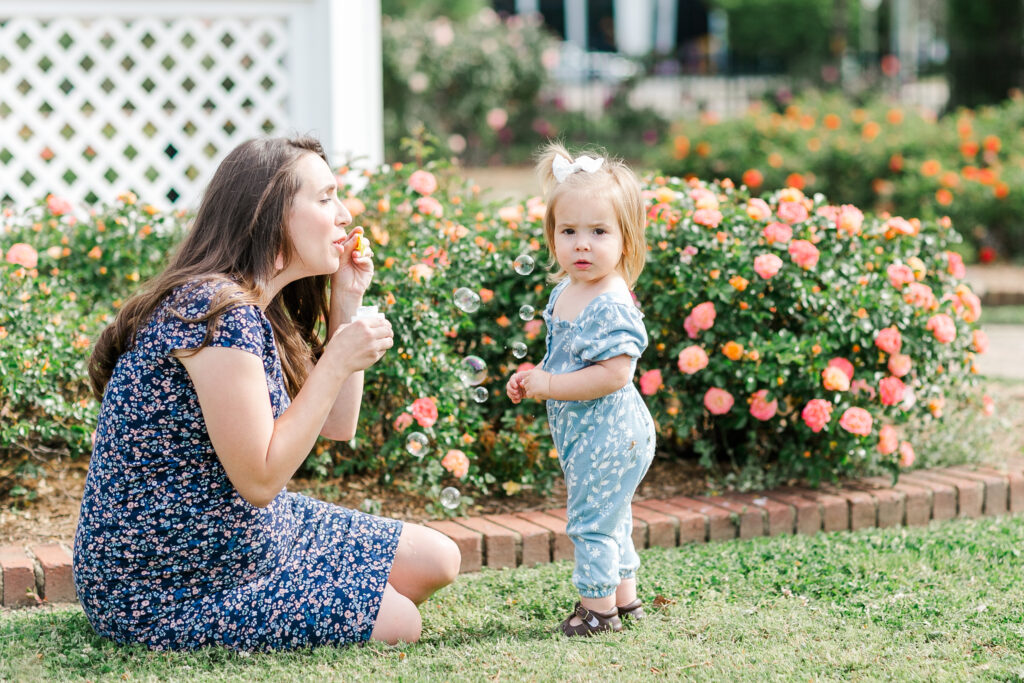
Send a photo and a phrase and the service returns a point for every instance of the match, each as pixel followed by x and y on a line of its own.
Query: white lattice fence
pixel 149 96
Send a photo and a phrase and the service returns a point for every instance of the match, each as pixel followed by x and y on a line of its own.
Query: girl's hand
pixel 514 388
pixel 535 384
pixel 356 270
pixel 360 344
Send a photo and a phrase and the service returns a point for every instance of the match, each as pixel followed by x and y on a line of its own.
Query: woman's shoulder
pixel 196 296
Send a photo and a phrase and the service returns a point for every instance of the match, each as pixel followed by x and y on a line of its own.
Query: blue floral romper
pixel 605 445
pixel 168 554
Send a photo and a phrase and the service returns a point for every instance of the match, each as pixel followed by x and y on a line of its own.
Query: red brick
pixel 917 500
pixel 863 507
pixel 835 510
pixel 779 517
pixel 719 525
pixel 888 501
pixel 533 542
pixel 19 577
pixel 499 543
pixel 997 490
pixel 750 517
pixel 561 545
pixel 1015 463
pixel 808 512
pixel 1015 486
pixel 55 567
pixel 661 532
pixel 943 495
pixel 691 526
pixel 470 543
pixel 970 494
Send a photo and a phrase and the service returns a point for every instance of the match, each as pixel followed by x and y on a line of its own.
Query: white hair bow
pixel 562 168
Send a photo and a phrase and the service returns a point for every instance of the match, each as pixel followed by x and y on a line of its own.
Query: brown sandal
pixel 593 622
pixel 634 610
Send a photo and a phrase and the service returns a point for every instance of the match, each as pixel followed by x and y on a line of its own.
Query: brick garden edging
pixel 42 573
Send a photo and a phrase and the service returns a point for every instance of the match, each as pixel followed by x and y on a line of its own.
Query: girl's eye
pixel 599 231
pixel 568 231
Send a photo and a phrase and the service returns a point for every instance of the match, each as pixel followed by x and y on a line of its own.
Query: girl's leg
pixel 425 561
pixel 398 619
pixel 626 592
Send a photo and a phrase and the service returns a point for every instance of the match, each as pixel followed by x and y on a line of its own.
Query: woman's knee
pixel 429 554
pixel 398 620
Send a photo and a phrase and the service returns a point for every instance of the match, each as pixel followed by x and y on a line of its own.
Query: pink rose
pixel 899 364
pixel 979 340
pixel 704 315
pixel 967 304
pixel 900 225
pixel 834 379
pixel 758 209
pixel 767 265
pixel 650 382
pixel 423 182
pixel 856 421
pixel 525 367
pixel 425 411
pixel 354 205
pixel 891 390
pixel 900 275
pixel 792 212
pixel 532 328
pixel 889 339
pixel 707 217
pixel 804 254
pixel 907 456
pixel 761 408
pixel 23 255
pixel 849 220
pixel 943 327
pixel 777 232
pixel 888 440
pixel 692 359
pixel 816 414
pixel 57 206
pixel 844 365
pixel 988 406
pixel 497 118
pixel 456 462
pixel 402 422
pixel 921 296
pixel 428 206
pixel 718 401
pixel 955 265
pixel 691 327
pixel 703 198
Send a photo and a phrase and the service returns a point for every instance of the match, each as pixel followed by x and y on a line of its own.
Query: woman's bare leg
pixel 398 619
pixel 425 561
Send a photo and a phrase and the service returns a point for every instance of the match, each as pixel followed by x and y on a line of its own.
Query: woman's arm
pixel 343 417
pixel 260 454
pixel 594 381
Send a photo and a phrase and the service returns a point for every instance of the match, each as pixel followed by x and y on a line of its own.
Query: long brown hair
pixel 235 238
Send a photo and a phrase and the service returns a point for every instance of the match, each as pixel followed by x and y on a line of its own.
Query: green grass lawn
pixel 946 602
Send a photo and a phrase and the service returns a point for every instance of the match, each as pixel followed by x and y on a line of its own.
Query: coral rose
pixel 856 421
pixel 758 209
pixel 792 212
pixel 943 327
pixel 423 182
pixel 804 254
pixel 57 206
pixel 849 220
pixel 889 339
pixel 816 414
pixel 844 365
pixel 921 296
pixel 899 364
pixel 428 206
pixel 702 317
pixel 23 255
pixel 761 408
pixel 692 359
pixel 707 217
pixel 899 275
pixel 955 265
pixel 425 411
pixel 650 382
pixel 767 265
pixel 834 379
pixel 718 401
pixel 402 422
pixel 456 462
pixel 979 341
pixel 888 440
pixel 777 232
pixel 891 390
pixel 907 456
pixel 732 350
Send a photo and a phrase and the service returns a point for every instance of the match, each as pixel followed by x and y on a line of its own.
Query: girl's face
pixel 588 239
pixel 316 221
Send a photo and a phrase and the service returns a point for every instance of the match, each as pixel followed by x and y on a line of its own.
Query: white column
pixel 527 6
pixel 576 23
pixel 666 35
pixel 634 26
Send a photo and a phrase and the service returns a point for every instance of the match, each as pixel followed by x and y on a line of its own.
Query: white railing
pixel 101 97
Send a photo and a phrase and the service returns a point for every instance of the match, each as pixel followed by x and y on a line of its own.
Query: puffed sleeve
pixel 240 327
pixel 610 329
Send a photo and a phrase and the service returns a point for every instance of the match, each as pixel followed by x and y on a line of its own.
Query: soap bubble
pixel 519 349
pixel 526 312
pixel 523 264
pixel 480 394
pixel 416 443
pixel 472 370
pixel 450 497
pixel 467 300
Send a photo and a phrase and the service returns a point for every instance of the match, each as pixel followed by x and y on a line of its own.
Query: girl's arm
pixel 260 454
pixel 594 381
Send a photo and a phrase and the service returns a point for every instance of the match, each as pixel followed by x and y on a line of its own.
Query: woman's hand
pixel 360 344
pixel 356 270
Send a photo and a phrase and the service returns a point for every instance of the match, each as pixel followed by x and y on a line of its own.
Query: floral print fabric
pixel 168 554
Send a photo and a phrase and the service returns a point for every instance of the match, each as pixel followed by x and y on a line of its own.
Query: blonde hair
pixel 619 184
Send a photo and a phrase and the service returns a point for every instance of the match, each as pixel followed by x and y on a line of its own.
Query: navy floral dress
pixel 168 554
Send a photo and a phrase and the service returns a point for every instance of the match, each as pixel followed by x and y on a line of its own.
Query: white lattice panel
pixel 99 98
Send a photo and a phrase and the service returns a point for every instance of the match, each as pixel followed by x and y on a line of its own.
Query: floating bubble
pixel 416 443
pixel 450 497
pixel 467 300
pixel 519 349
pixel 526 312
pixel 480 394
pixel 472 370
pixel 523 264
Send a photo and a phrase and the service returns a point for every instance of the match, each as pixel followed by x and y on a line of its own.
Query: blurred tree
pixel 985 58
pixel 457 10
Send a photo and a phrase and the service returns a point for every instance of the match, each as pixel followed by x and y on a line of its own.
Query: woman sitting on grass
pixel 215 385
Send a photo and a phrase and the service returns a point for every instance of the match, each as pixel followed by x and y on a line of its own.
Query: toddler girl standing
pixel 594 225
